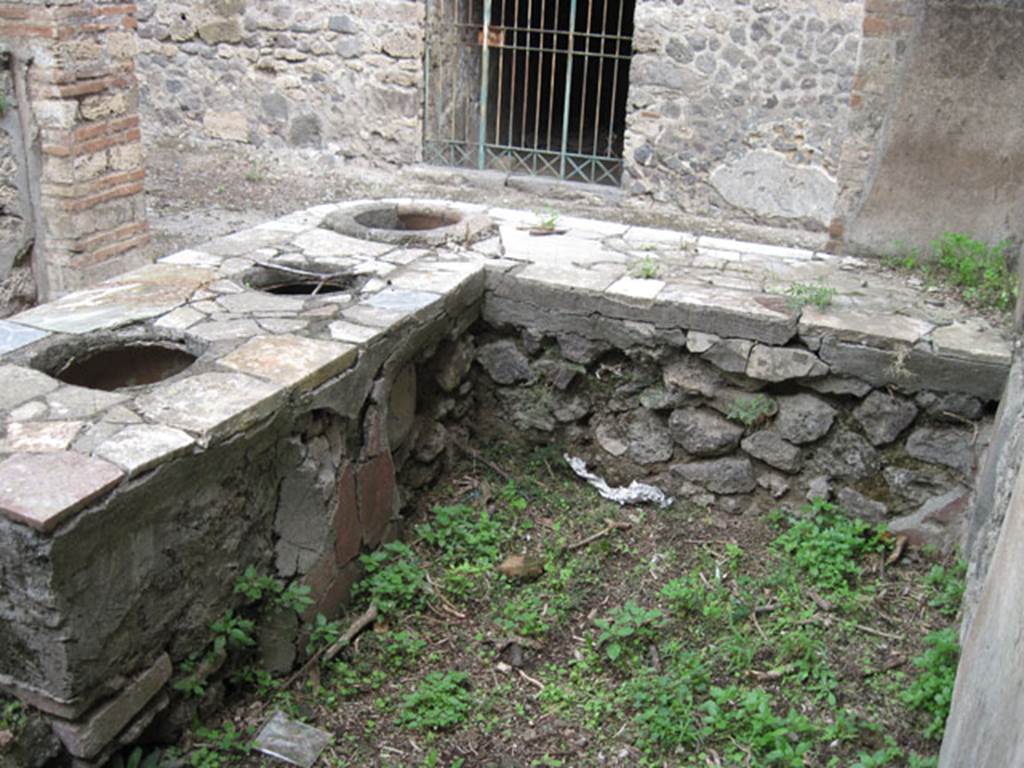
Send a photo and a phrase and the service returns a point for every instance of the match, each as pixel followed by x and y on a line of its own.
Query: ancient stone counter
pixel 271 397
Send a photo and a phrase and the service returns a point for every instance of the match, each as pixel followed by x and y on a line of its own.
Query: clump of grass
pixel 441 702
pixel 751 411
pixel 932 690
pixel 984 273
pixel 810 294
pixel 646 268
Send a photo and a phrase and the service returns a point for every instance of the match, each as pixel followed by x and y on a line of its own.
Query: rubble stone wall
pixel 17 287
pixel 739 110
pixel 344 78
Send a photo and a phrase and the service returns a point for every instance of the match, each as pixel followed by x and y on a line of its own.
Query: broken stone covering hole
pixel 424 224
pixel 307 280
pixel 124 365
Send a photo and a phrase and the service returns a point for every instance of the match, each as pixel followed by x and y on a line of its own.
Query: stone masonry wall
pixel 344 78
pixel 739 110
pixel 17 286
pixel 77 62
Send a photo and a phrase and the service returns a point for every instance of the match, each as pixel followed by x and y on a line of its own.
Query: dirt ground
pixel 724 655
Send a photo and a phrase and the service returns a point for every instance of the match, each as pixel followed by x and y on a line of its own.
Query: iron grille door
pixel 528 86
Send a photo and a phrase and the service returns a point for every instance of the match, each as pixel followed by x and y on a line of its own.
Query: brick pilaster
pixel 78 60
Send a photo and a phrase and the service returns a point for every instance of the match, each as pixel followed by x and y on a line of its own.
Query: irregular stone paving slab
pixel 40 436
pixel 342 330
pixel 252 301
pixel 142 446
pixel 71 402
pixel 636 288
pixel 325 242
pixel 759 249
pixel 971 340
pixel 728 313
pixel 19 385
pixel 567 277
pixel 42 490
pixel 180 319
pixel 212 405
pixel 223 330
pixel 885 331
pixel 139 295
pixel 245 242
pixel 293 361
pixel 14 336
pixel 402 302
pixel 190 258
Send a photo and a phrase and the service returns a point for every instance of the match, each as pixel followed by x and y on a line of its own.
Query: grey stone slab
pixel 783 363
pixel 253 301
pixel 221 330
pixel 14 336
pixel 145 293
pixel 886 331
pixel 143 446
pixel 42 490
pixel 364 314
pixel 403 302
pixel 342 330
pixel 972 340
pixel 728 313
pixel 324 242
pixel 180 319
pixel 39 436
pixel 292 361
pixel 212 405
pixel 71 402
pixel 193 258
pixel 636 288
pixel 19 385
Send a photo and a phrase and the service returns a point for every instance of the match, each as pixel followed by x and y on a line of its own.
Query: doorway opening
pixel 529 86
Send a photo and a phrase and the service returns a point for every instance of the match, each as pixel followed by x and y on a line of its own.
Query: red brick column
pixel 76 62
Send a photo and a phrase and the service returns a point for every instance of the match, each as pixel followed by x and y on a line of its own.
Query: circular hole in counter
pixel 408 218
pixel 121 365
pixel 308 280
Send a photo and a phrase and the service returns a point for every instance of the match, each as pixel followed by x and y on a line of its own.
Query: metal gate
pixel 528 86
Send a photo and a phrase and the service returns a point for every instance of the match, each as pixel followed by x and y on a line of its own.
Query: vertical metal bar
pixel 600 74
pixel 540 76
pixel 484 86
pixel 515 60
pixel 586 74
pixel 616 65
pixel 554 69
pixel 527 53
pixel 501 53
pixel 568 87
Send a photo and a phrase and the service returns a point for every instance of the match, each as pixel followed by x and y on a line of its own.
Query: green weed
pixel 463 535
pixel 947 587
pixel 394 579
pixel 12 715
pixel 808 294
pixel 440 702
pixel 931 692
pixel 646 268
pixel 629 629
pixel 828 547
pixel 751 411
pixel 984 273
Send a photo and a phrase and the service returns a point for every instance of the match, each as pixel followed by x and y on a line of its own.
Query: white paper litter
pixel 634 493
pixel 291 741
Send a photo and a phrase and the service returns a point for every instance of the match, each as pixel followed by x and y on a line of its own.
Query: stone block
pixel 729 475
pixel 87 737
pixel 884 417
pixel 40 436
pixel 22 385
pixel 348 533
pixel 211 405
pixel 804 418
pixel 292 361
pixel 939 522
pixel 777 364
pixel 375 489
pixel 229 126
pixel 703 433
pixel 70 482
pixel 141 447
pixel 768 446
